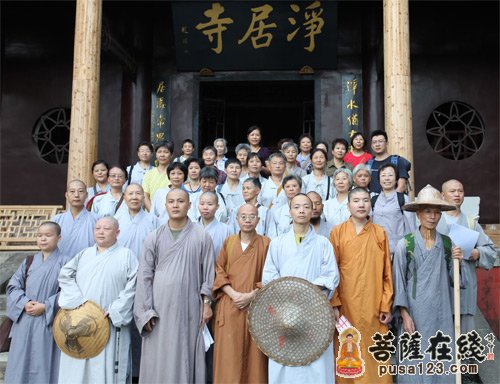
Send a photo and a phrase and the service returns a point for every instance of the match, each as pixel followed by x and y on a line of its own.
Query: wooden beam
pixel 85 94
pixel 397 81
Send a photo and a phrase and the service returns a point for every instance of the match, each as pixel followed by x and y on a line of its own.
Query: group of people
pixel 175 251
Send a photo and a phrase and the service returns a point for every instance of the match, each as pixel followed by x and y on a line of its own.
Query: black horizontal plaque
pixel 248 35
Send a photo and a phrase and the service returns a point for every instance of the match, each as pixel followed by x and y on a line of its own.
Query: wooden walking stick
pixel 456 310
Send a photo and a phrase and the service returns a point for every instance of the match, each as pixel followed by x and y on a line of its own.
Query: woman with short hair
pixel 317 180
pixel 339 150
pixel 242 151
pixel 387 208
pixel 192 184
pixel 357 154
pixel 100 170
pixel 220 145
pixel 290 150
pixel 336 210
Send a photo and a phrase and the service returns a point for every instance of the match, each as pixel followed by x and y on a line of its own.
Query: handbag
pixel 6 325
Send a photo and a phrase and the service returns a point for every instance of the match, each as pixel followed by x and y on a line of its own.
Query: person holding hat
pixel 422 276
pixel 302 253
pixel 106 275
pixel 31 305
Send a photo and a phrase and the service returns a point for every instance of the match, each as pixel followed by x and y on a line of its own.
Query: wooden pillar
pixel 85 93
pixel 397 81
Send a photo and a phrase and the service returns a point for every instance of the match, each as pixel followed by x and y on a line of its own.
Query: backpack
pixel 410 247
pixel 394 160
pixel 401 200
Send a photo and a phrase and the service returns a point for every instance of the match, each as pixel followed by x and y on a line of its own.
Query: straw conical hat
pixel 82 332
pixel 291 321
pixel 428 196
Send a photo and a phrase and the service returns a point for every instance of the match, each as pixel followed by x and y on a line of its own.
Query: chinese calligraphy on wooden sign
pixel 247 35
pixel 160 111
pixel 352 104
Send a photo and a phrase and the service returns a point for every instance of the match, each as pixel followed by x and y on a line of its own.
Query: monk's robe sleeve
pixel 208 267
pixel 120 310
pixel 70 296
pixel 221 278
pixel 16 295
pixel 51 308
pixel 271 271
pixel 143 304
pixel 262 248
pixel 399 276
pixel 329 271
pixel 486 248
pixel 387 287
pixel 272 224
pixel 335 299
pixel 409 219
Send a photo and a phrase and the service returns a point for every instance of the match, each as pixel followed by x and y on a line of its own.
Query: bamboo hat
pixel 291 321
pixel 428 196
pixel 82 332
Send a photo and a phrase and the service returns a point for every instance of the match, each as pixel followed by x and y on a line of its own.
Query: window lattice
pixel 455 130
pixel 51 135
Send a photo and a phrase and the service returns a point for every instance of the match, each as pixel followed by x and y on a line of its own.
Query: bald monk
pixel 77 224
pixel 365 292
pixel 482 256
pixel 238 278
pixel 173 297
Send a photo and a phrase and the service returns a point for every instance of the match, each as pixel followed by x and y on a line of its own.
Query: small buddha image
pixel 349 361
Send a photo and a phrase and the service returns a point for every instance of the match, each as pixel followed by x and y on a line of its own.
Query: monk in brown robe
pixel 365 293
pixel 238 278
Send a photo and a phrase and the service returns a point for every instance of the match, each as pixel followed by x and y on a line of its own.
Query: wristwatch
pixel 206 300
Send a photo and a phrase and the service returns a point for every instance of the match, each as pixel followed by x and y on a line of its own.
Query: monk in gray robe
pixel 32 306
pixel 175 279
pixel 104 273
pixel 319 223
pixel 422 276
pixel 77 224
pixel 483 255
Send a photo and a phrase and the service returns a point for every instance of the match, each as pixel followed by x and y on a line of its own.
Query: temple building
pixel 206 69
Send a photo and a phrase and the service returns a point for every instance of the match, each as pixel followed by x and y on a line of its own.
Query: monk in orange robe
pixel 365 293
pixel 238 277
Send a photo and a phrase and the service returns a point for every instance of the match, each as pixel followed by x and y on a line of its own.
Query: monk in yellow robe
pixel 365 293
pixel 238 277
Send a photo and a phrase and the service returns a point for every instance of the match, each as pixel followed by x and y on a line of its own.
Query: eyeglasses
pixel 113 176
pixel 248 217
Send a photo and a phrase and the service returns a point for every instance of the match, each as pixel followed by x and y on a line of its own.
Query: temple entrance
pixel 280 108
